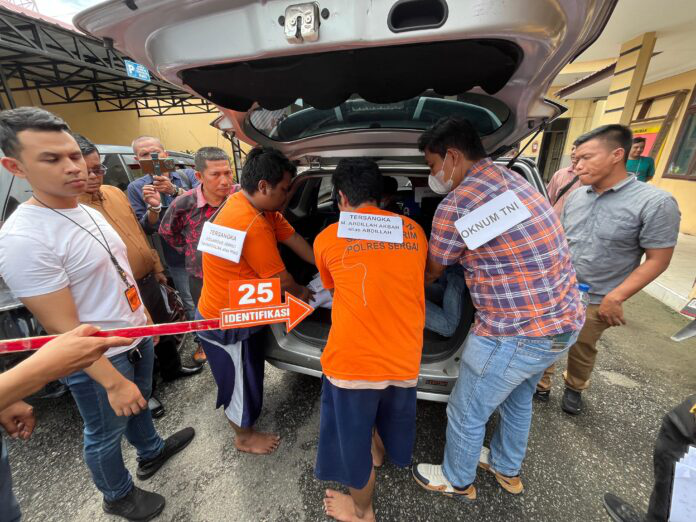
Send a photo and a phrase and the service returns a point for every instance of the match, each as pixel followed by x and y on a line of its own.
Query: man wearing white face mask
pixel 517 266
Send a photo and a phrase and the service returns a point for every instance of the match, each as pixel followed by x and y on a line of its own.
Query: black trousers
pixel 168 361
pixel 196 286
pixel 677 433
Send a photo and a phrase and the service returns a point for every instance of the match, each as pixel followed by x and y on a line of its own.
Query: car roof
pixel 126 149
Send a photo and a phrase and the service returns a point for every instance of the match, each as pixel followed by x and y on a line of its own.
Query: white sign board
pixel 491 219
pixel 375 227
pixel 222 241
pixel 683 506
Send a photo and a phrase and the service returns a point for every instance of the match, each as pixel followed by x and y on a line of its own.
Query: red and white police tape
pixel 291 312
pixel 253 303
pixel 133 332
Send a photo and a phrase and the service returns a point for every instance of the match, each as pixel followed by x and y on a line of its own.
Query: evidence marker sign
pixel 292 312
pixel 256 302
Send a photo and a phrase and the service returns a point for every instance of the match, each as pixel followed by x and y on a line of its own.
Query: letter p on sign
pixel 254 293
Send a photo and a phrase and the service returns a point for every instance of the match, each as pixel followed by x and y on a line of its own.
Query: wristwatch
pixel 176 191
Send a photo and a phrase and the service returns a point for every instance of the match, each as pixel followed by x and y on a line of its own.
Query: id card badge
pixel 491 219
pixel 222 241
pixel 133 298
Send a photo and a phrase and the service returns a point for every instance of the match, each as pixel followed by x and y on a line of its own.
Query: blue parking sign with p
pixel 137 71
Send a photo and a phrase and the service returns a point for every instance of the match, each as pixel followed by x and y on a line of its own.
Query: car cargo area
pixel 312 209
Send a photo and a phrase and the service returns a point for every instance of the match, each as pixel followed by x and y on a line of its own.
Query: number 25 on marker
pixel 254 293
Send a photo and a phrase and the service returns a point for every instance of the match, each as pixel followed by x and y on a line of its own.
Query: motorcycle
pixel 689 310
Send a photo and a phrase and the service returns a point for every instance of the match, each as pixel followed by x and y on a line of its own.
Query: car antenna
pixel 541 129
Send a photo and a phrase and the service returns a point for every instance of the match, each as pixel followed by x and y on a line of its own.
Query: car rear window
pixel 116 174
pixel 300 121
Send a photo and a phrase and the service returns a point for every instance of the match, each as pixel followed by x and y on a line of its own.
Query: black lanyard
pixel 217 211
pixel 105 245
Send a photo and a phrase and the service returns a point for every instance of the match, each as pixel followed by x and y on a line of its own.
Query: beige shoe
pixel 512 485
pixel 430 477
pixel 199 356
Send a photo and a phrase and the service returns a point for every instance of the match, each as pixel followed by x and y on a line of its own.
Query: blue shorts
pixel 345 431
pixel 236 359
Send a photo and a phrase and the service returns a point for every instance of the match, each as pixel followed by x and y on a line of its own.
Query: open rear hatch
pixel 284 58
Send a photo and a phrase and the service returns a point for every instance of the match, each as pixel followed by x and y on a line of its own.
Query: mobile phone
pixel 156 166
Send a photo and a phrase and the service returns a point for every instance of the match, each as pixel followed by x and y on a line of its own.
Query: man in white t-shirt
pixel 68 266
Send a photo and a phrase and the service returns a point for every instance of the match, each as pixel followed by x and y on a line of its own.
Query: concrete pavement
pixel 675 283
pixel 571 461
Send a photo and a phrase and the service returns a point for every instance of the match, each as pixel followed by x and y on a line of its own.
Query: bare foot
pixel 378 450
pixel 342 508
pixel 257 443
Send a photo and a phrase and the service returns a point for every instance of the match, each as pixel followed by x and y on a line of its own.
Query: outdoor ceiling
pixel 674 22
pixel 598 89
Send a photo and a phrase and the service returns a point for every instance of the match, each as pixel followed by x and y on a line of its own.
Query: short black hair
pixel 14 121
pixel 205 154
pixel 639 139
pixel 452 133
pixel 86 146
pixel 359 179
pixel 390 185
pixel 615 134
pixel 265 163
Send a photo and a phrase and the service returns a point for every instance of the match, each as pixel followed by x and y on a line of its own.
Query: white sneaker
pixel 431 477
pixel 483 458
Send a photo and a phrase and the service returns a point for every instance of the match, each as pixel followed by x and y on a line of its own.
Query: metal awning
pixel 64 66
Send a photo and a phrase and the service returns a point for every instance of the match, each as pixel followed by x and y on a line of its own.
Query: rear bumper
pixel 288 352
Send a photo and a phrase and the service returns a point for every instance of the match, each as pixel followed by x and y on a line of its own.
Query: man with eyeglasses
pixel 166 187
pixel 113 204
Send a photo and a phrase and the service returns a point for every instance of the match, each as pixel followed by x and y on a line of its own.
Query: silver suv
pixel 331 79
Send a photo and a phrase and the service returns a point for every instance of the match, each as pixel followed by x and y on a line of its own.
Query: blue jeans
pixel 104 429
pixel 495 373
pixel 181 282
pixel 444 319
pixel 9 508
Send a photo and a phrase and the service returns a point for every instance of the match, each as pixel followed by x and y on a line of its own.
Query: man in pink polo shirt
pixel 562 183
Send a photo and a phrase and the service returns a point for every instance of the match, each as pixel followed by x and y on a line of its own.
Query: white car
pixel 331 79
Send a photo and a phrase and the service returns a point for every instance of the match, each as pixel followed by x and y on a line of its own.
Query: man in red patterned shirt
pixel 518 270
pixel 182 224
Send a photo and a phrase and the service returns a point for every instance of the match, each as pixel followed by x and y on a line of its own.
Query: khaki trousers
pixel 582 355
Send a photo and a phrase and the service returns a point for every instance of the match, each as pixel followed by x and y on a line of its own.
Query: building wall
pixel 583 115
pixel 683 190
pixel 586 115
pixel 181 132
